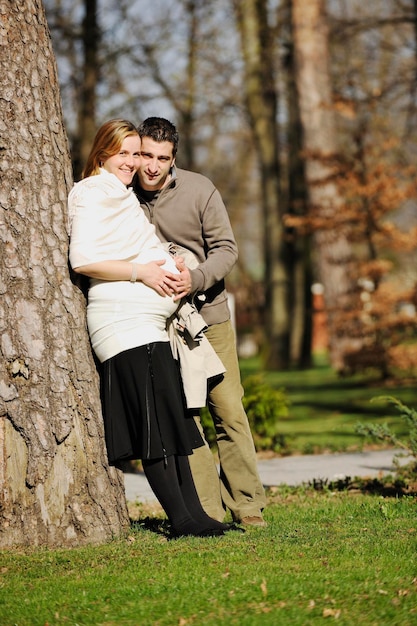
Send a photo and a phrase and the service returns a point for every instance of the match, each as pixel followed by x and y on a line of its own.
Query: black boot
pixel 190 495
pixel 163 477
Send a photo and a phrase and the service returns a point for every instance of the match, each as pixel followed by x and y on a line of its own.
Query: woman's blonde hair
pixel 107 142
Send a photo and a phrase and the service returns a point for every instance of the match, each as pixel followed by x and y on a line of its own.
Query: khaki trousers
pixel 238 487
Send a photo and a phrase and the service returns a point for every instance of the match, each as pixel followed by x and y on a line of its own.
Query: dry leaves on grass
pixel 327 612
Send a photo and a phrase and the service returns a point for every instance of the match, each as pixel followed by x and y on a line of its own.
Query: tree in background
pixel 376 191
pixel 261 102
pixel 373 182
pixel 333 252
pixel 376 108
pixel 295 202
pixel 56 486
pixel 77 36
pixel 150 55
pixel 90 73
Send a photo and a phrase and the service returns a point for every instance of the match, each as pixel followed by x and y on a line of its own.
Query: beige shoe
pixel 253 520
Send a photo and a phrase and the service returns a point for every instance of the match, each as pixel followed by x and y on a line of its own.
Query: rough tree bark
pixel 332 248
pixel 261 100
pixel 56 488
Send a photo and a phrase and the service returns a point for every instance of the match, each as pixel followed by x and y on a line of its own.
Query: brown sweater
pixel 190 212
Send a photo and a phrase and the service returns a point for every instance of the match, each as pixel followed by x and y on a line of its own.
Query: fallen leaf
pixel 403 592
pixel 332 613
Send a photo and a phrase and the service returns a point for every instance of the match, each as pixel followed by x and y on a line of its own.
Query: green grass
pixel 325 408
pixel 324 556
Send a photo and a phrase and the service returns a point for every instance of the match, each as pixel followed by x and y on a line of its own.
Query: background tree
pixel 89 79
pixel 333 252
pixel 56 486
pixel 77 37
pixel 375 191
pixel 261 98
pixel 378 183
pixel 295 201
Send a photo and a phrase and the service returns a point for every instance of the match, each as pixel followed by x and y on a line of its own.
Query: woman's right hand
pixel 153 275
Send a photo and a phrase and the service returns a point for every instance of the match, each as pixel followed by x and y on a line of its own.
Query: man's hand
pixel 182 285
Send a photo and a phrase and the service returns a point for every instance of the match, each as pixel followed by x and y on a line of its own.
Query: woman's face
pixel 125 163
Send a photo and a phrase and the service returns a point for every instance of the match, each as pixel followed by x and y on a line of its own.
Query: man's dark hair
pixel 159 129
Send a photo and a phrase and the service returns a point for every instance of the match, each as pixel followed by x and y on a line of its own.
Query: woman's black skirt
pixel 143 406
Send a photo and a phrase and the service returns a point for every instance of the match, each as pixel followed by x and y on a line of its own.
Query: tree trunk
pixel 87 124
pixel 299 244
pixel 56 486
pixel 333 250
pixel 187 112
pixel 262 108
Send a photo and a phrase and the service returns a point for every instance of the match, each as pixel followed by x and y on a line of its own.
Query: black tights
pixel 172 482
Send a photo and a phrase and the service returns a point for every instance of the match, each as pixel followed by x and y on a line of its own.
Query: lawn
pixel 324 556
pixel 325 408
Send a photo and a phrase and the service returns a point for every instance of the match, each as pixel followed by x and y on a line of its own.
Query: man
pixel 187 209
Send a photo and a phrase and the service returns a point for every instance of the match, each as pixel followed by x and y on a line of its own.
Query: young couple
pixel 134 287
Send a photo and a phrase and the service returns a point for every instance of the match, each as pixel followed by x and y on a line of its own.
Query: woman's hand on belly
pixel 155 276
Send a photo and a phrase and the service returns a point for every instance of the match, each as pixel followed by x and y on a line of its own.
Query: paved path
pixel 295 470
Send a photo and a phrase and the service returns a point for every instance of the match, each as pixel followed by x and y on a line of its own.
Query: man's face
pixel 156 160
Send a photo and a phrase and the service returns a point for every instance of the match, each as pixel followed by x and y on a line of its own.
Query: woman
pixel 132 280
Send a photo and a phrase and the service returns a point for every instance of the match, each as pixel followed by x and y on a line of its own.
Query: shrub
pixel 265 407
pixel 382 432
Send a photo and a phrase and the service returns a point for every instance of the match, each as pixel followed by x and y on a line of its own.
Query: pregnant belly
pixel 157 254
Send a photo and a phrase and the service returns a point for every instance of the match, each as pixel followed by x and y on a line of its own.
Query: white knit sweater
pixel 107 223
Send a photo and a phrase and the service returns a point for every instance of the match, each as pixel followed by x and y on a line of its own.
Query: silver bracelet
pixel 134 273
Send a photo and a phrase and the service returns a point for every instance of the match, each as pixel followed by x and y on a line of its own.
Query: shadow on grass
pixel 154 525
pixel 332 385
pixel 390 486
pixel 350 409
pixel 339 407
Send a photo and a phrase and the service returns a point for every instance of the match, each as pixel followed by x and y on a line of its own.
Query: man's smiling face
pixel 156 160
